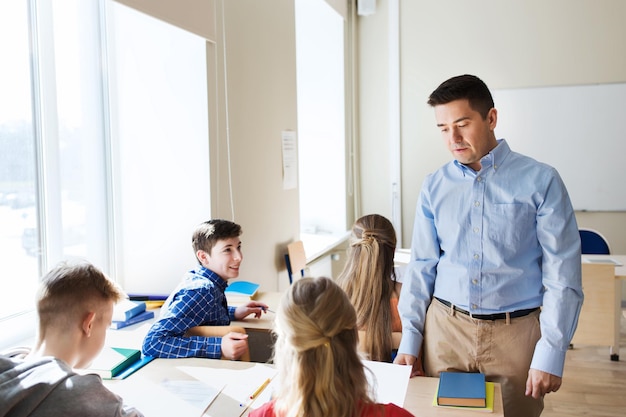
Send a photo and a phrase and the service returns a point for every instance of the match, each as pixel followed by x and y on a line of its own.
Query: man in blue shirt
pixel 494 282
pixel 200 301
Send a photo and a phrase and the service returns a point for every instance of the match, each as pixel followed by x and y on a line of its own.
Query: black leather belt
pixel 496 316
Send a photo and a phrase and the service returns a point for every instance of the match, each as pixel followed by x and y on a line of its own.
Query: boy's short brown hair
pixel 70 289
pixel 208 233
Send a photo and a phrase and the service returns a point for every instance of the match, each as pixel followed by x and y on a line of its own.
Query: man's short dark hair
pixel 468 87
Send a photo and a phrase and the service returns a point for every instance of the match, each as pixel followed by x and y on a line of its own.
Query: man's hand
pixel 540 383
pixel 234 345
pixel 252 307
pixel 416 363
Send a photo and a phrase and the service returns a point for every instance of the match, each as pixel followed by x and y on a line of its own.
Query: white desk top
pixel 620 270
pixel 419 395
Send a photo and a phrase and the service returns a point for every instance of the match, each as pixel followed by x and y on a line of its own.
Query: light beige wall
pixel 261 68
pixel 201 21
pixel 507 44
pixel 259 91
pixel 373 73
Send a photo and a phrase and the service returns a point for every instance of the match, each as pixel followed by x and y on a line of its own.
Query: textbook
pixel 112 361
pixel 490 388
pixel 143 316
pixel 240 291
pixel 143 360
pixel 462 389
pixel 126 309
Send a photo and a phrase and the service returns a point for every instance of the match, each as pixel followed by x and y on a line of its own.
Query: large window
pixel 321 123
pixel 18 179
pixel 95 104
pixel 159 120
pixel 52 174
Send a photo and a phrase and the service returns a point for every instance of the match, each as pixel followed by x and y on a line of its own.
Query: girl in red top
pixel 320 372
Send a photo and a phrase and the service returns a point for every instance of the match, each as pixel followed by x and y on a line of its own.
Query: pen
pixel 267 309
pixel 261 388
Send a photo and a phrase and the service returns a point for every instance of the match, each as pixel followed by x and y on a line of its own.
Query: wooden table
pixel 419 395
pixel 266 321
pixel 599 322
pixel 260 337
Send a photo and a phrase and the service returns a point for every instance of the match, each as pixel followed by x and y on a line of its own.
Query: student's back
pixel 48 387
pixel 369 280
pixel 320 372
pixel 74 307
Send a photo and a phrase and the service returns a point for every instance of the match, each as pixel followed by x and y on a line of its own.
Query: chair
pixel 18 352
pixel 593 243
pixel 295 259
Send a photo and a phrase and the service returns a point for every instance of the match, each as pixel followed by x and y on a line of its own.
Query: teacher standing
pixel 494 282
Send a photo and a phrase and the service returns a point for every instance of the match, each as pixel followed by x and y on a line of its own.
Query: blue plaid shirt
pixel 198 301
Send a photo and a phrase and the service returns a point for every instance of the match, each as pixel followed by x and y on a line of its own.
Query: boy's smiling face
pixel 224 259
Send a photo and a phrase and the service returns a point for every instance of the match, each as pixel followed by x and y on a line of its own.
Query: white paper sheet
pixel 170 398
pixel 290 159
pixel 390 381
pixel 238 384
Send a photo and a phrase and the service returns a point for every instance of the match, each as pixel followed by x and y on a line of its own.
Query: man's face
pixel 224 259
pixel 468 136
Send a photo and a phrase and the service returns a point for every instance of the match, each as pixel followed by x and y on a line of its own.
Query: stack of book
pixel 240 292
pixel 117 363
pixel 128 312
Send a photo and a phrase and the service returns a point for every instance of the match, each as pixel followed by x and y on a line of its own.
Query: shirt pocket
pixel 510 224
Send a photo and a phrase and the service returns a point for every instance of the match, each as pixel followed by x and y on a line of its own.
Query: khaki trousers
pixel 501 349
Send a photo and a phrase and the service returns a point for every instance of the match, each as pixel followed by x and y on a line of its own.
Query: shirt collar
pixel 493 159
pixel 213 277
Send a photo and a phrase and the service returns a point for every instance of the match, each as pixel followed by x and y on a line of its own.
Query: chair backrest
pixel 295 259
pixel 593 243
pixel 18 352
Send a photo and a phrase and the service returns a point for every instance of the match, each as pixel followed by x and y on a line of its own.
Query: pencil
pixel 261 388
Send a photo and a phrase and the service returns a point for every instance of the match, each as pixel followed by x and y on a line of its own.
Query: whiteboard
pixel 579 130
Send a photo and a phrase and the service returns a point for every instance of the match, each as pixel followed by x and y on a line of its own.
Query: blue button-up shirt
pixel 498 240
pixel 198 301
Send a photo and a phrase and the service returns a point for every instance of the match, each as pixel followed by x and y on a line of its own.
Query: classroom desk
pixel 419 395
pixel 599 322
pixel 266 321
pixel 260 337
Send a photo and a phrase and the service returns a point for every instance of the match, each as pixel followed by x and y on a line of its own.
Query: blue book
pixel 135 366
pixel 143 316
pixel 242 289
pixel 462 389
pixel 126 309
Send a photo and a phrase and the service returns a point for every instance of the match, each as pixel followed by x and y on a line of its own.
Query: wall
pixel 259 93
pixel 261 66
pixel 509 45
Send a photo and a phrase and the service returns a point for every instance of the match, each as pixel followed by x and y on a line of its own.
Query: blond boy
pixel 75 305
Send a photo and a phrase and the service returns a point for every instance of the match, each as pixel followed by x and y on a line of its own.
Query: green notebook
pixel 112 361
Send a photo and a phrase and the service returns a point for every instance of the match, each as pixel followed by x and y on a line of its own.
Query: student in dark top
pixel 74 305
